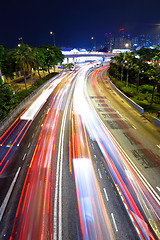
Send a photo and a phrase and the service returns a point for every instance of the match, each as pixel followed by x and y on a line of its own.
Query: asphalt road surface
pixel 80 163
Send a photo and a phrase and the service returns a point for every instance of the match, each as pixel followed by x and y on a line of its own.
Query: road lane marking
pixel 158 188
pixel 95 156
pixel 33 135
pixel 29 145
pixel 5 201
pixel 105 194
pixel 115 193
pixel 114 222
pixel 136 170
pixel 158 145
pixel 24 156
pixel 100 175
pixel 58 185
pixel 133 126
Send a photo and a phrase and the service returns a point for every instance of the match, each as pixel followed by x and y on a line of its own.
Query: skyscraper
pixel 109 41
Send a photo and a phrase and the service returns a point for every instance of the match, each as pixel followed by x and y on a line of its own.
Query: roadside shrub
pixel 157 99
pixel 130 92
pixel 146 88
pixel 119 85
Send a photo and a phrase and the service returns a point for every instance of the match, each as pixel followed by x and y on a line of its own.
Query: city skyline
pixel 74 23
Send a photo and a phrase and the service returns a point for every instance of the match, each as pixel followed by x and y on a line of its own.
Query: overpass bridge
pixel 76 56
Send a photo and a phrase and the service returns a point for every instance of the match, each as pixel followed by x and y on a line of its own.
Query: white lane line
pixel 114 222
pixel 133 126
pixel 158 145
pixel 29 145
pixel 158 188
pixel 100 175
pixel 5 201
pixel 95 156
pixel 105 194
pixel 58 185
pixel 33 135
pixel 136 170
pixel 24 156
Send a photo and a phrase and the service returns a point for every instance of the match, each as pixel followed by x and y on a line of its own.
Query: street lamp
pixel 53 34
pixel 94 43
pixel 126 45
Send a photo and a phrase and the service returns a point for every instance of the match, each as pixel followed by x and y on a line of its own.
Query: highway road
pixel 80 163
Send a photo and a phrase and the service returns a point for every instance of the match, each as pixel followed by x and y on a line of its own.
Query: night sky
pixel 74 22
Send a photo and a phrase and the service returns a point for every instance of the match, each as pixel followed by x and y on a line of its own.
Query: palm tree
pixel 138 66
pixel 156 66
pixel 128 57
pixel 2 55
pixel 122 60
pixel 116 60
pixel 24 60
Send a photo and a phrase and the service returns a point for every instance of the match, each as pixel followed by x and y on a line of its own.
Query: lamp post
pixel 94 43
pixel 53 34
pixel 126 45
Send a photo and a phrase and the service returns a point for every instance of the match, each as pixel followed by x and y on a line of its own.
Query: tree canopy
pixel 143 66
pixel 25 58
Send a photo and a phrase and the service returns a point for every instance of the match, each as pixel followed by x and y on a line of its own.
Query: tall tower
pixel 109 41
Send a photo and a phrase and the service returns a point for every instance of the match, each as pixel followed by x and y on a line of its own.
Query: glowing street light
pixel 53 34
pixel 94 43
pixel 126 45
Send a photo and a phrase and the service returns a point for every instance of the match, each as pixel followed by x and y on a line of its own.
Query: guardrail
pixel 156 122
pixel 133 104
pixel 5 122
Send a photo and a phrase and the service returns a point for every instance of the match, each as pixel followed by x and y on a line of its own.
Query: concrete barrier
pixel 132 103
pixel 12 115
pixel 156 122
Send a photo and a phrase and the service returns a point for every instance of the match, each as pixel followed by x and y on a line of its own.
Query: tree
pixel 6 99
pixel 156 67
pixel 59 57
pixel 24 60
pixel 139 66
pixel 8 65
pixel 38 63
pixel 115 61
pixel 129 64
pixel 120 59
pixel 48 57
pixel 2 56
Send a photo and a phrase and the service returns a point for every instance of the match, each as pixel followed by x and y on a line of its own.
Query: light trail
pixel 136 191
pixel 94 220
pixel 34 216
